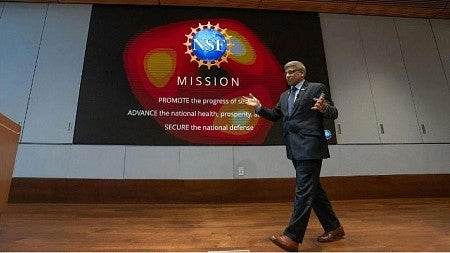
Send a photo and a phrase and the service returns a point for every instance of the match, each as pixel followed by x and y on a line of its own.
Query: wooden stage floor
pixel 419 224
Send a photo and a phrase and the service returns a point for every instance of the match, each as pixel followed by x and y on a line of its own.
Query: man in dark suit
pixel 303 107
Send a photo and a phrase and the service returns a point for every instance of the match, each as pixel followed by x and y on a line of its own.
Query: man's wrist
pixel 258 108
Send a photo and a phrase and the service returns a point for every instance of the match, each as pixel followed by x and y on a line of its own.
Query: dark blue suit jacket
pixel 303 130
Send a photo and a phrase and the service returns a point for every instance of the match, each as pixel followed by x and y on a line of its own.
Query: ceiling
pixel 439 9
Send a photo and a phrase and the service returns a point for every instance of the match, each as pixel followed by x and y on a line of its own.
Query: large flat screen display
pixel 175 75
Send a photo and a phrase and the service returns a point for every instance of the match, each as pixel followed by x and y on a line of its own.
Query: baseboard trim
pixel 58 190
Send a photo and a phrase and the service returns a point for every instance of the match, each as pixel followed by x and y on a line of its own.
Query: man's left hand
pixel 320 104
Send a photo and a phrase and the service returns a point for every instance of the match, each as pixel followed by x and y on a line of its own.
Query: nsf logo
pixel 208 45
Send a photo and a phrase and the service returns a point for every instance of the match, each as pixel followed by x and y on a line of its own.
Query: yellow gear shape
pixel 199 61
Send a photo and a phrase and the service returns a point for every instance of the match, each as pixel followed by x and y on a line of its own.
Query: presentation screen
pixel 157 75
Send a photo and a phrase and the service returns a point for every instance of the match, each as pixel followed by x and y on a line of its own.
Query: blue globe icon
pixel 209 45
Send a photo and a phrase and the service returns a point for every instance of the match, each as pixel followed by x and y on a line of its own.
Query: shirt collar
pixel 300 84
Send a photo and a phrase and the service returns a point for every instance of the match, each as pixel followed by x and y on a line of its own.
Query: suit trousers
pixel 309 194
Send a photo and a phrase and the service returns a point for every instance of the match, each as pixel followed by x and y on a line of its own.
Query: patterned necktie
pixel 291 100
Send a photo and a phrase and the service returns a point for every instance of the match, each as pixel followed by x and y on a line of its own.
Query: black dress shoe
pixel 285 243
pixel 332 235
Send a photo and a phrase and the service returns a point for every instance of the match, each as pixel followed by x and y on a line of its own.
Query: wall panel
pixel 417 159
pixel 152 162
pixel 262 162
pixel 206 162
pixel 96 161
pixel 53 101
pixel 349 81
pixel 360 160
pixel 427 78
pixel 392 97
pixel 333 165
pixel 20 35
pixel 40 160
pixel 441 31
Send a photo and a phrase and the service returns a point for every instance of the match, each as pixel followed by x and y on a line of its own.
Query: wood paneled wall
pixel 47 190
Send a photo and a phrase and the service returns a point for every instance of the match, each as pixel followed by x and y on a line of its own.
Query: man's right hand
pixel 251 100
